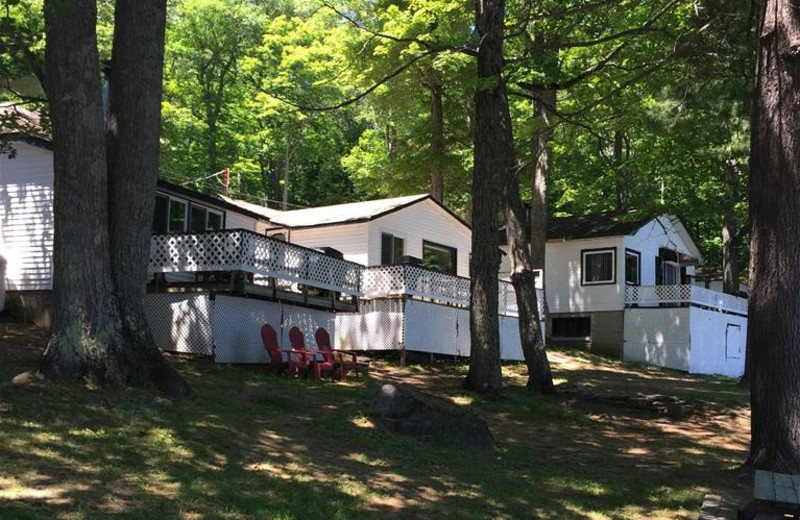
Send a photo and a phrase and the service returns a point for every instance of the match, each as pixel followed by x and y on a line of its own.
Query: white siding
pixel 563 277
pixel 691 339
pixel 26 217
pixel 237 221
pixel 350 239
pixel 647 241
pixel 659 337
pixel 718 343
pixel 418 222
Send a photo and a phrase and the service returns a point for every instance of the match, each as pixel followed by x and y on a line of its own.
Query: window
pixel 599 266
pixel 204 219
pixel 174 215
pixel 214 221
pixel 572 327
pixel 161 214
pixel 671 273
pixel 632 267
pixel 439 257
pixel 392 249
pixel 177 216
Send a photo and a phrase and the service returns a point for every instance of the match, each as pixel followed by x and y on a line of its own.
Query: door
pixel 733 341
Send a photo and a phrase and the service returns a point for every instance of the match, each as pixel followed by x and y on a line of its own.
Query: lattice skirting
pixel 227 327
pixel 377 326
pixel 391 324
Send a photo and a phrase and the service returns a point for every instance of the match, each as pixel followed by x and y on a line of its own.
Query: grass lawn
pixel 264 447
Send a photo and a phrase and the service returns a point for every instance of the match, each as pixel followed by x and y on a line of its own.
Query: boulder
pixel 408 411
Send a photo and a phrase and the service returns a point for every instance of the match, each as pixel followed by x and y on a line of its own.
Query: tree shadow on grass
pixel 253 446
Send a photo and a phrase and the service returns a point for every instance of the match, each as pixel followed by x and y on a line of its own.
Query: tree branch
pixel 427 45
pixel 627 32
pixel 356 98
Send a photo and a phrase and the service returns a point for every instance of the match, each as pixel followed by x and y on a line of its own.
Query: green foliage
pixel 245 82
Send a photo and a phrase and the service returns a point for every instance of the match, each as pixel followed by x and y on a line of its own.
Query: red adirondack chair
pixel 300 359
pixel 270 339
pixel 342 364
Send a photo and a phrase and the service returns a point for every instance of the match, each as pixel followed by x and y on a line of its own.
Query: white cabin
pixel 413 229
pixel 623 285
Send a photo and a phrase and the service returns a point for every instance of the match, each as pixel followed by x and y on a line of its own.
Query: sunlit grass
pixel 252 446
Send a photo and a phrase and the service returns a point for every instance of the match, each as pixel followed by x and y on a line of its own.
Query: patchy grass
pixel 256 446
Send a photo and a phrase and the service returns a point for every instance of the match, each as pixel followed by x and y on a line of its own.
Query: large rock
pixel 411 412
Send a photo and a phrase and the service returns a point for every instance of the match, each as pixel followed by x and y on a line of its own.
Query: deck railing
pixel 243 250
pixel 658 295
pixel 415 281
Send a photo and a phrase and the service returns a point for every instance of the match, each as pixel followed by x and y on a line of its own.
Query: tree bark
pixel 133 156
pixel 491 158
pixel 542 153
pixel 523 278
pixel 620 177
pixel 773 336
pixel 86 326
pixel 730 234
pixel 100 332
pixel 437 141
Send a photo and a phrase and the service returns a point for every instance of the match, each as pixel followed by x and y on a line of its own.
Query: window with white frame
pixel 204 219
pixel 599 266
pixel 175 215
pixel 671 272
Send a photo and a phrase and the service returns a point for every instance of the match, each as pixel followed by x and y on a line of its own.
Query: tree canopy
pixel 320 102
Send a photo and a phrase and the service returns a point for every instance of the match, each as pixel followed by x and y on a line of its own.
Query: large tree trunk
pixel 95 284
pixel 133 137
pixel 491 158
pixel 730 233
pixel 437 141
pixel 542 153
pixel 86 328
pixel 773 336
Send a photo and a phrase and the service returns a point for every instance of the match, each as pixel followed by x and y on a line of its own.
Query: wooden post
pixel 402 355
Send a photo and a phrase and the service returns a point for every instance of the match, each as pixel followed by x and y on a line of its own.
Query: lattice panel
pixel 438 286
pixel 237 327
pixel 686 294
pixel 241 250
pixel 393 280
pixel 181 322
pixel 377 326
pixel 193 252
pixel 384 280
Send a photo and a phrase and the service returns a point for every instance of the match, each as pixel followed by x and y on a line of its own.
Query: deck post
pixel 402 355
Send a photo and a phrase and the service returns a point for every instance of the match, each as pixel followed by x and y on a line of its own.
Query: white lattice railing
pixel 242 250
pixel 411 280
pixel 684 294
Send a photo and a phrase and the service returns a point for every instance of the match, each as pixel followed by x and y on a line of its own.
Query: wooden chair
pixel 341 364
pixel 270 339
pixel 300 358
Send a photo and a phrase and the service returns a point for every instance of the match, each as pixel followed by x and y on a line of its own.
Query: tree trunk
pixel 773 336
pixel 542 153
pixel 133 137
pixel 437 141
pixel 492 132
pixel 730 234
pixel 540 378
pixel 287 164
pixel 211 144
pixel 619 171
pixel 94 283
pixel 86 324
